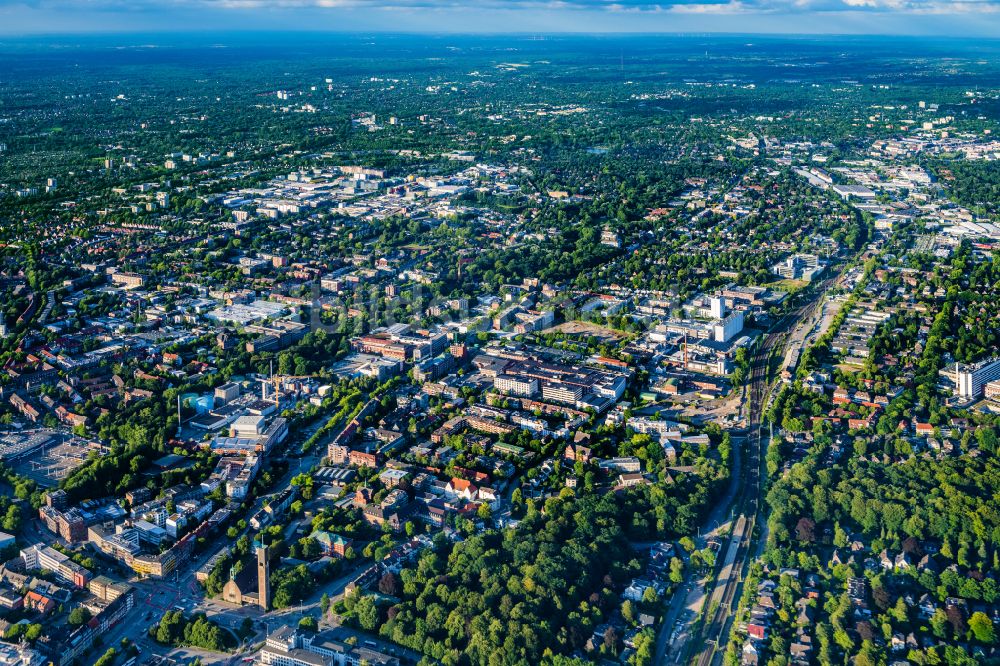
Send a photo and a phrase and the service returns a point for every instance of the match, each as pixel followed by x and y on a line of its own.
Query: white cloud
pixel 731 7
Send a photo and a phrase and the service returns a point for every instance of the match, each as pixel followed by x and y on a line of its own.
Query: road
pixel 180 590
pixel 737 554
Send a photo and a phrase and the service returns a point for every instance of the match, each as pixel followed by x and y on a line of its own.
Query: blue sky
pixel 958 18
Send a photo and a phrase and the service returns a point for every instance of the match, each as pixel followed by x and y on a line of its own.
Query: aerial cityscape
pixel 383 349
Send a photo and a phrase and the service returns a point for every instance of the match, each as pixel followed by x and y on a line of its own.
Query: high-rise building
pixel 971 379
pixel 725 329
pixel 718 307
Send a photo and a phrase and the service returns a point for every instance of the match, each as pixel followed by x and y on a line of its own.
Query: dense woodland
pixel 530 595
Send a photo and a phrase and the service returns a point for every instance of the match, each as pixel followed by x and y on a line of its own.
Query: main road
pixel 180 589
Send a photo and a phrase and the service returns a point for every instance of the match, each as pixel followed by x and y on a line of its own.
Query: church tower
pixel 263 577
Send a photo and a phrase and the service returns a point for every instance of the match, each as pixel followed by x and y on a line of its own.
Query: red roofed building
pixel 39 602
pixel 462 488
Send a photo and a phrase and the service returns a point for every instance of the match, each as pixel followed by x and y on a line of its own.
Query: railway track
pixel 722 603
pixel 730 575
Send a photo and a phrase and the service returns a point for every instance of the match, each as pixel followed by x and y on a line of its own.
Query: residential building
pixel 44 557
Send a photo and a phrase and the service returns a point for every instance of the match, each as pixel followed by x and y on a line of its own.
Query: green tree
pixel 367 612
pixel 628 611
pixel 676 570
pixel 982 628
pixel 939 623
pixel 78 616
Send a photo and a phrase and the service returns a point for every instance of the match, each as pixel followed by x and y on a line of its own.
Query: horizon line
pixel 483 34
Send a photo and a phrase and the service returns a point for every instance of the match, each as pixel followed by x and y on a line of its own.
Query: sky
pixel 945 18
